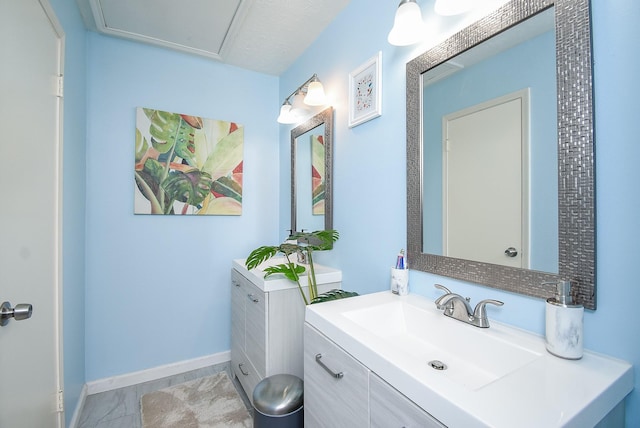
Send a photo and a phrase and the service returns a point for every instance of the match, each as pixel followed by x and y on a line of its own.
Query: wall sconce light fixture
pixel 310 93
pixel 408 27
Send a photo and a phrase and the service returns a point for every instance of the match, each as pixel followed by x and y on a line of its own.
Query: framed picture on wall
pixel 365 91
pixel 187 165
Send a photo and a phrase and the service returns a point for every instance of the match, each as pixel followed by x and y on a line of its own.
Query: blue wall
pixel 158 287
pixel 140 267
pixel 73 239
pixel 370 178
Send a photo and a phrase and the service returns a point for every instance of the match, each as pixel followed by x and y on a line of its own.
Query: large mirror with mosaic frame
pixel 571 241
pixel 312 173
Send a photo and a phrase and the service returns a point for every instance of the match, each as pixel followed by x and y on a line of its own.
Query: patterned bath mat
pixel 210 402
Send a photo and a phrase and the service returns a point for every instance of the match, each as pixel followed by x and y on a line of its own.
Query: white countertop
pixel 324 275
pixel 545 392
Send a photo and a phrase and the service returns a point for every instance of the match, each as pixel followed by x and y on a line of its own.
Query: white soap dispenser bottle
pixel 564 324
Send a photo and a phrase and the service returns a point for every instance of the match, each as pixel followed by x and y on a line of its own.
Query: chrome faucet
pixel 454 305
pixel 458 307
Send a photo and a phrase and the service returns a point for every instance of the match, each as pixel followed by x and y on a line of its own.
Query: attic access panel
pixel 202 27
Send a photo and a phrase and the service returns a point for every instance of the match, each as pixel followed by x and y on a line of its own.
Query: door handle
pixel 22 311
pixel 511 252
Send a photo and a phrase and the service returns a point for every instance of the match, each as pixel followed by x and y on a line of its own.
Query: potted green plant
pixel 305 244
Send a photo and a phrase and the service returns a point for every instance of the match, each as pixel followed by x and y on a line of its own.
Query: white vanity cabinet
pixel 267 318
pixel 339 391
pixel 397 337
pixel 248 332
pixel 389 408
pixel 335 385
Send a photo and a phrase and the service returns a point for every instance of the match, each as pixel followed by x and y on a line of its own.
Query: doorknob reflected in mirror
pixel 22 311
pixel 511 252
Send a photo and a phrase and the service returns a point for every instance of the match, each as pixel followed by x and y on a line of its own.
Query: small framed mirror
pixel 311 173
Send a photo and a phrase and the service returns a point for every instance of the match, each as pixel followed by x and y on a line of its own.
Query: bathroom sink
pixel 499 376
pixel 469 356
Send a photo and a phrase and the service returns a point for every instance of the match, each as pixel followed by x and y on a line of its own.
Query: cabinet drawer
pixel 329 401
pixel 389 408
pixel 245 372
pixel 256 302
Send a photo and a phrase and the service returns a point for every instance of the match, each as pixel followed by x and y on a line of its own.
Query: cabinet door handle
pixel 338 375
pixel 242 371
pixel 236 283
pixel 253 298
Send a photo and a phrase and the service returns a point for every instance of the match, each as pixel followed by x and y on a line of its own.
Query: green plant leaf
pixel 318 194
pixel 151 174
pixel 188 187
pixel 291 271
pixel 334 294
pixel 151 177
pixel 170 131
pixel 226 155
pixel 227 187
pixel 318 240
pixel 162 127
pixel 220 206
pixel 288 249
pixel 259 255
pixel 212 132
pixel 154 168
pixel 149 112
pixel 147 192
pixel 150 181
pixel 321 240
pixel 142 145
pixel 185 144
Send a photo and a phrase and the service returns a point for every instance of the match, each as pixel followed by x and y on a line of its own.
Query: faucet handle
pixel 439 299
pixel 480 312
pixel 443 288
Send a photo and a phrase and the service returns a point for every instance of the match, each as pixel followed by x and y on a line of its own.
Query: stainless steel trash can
pixel 278 402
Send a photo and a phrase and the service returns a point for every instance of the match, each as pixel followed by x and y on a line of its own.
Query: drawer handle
pixel 242 371
pixel 338 375
pixel 236 283
pixel 253 298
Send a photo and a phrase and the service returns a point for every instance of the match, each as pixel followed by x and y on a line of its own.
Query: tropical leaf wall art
pixel 317 174
pixel 187 164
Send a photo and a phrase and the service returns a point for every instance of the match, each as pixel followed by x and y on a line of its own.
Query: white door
pixel 485 209
pixel 31 43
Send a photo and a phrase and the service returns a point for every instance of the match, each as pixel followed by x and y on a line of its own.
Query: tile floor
pixel 120 408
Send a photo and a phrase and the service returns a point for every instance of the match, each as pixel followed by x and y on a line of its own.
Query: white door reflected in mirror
pixel 485 182
pixel 522 196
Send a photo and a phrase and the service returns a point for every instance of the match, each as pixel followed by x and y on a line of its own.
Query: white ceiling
pixel 261 35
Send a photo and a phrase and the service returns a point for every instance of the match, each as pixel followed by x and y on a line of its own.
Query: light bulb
pixel 298 107
pixel 285 114
pixel 408 27
pixel 315 94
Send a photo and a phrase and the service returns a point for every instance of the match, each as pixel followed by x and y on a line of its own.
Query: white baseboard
pixel 129 379
pixel 79 406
